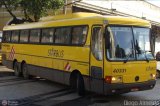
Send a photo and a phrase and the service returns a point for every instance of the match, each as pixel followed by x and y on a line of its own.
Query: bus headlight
pixel 117 79
pixel 113 79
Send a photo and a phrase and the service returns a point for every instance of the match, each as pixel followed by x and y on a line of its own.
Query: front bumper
pixel 110 89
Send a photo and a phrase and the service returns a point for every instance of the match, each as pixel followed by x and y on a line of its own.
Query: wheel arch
pixel 14 61
pixel 23 62
pixel 73 76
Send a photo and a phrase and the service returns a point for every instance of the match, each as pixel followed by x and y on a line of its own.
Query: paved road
pixel 41 92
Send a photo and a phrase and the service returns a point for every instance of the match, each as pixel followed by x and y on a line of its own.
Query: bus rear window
pixel 35 35
pixel 79 34
pixel 6 36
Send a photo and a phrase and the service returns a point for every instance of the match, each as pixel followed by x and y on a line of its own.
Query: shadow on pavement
pixel 6 73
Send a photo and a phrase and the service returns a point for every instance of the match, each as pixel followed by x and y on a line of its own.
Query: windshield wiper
pixel 138 51
pixel 130 53
pixel 146 55
pixel 127 58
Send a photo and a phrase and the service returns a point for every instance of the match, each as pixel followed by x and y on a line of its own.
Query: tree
pixel 11 5
pixel 39 8
pixel 35 8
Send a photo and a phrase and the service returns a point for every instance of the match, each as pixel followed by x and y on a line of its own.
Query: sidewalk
pixel 5 71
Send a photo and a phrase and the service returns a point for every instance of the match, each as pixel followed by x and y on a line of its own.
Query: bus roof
pixel 78 19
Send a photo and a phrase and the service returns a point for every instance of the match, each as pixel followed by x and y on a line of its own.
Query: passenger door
pixel 96 60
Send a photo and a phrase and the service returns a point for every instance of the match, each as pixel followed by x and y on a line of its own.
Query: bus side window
pixel 6 36
pixel 15 36
pixel 24 35
pixel 97 42
pixel 47 35
pixel 35 36
pixel 79 35
pixel 63 35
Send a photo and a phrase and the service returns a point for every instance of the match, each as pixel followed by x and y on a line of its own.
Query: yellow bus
pixel 89 52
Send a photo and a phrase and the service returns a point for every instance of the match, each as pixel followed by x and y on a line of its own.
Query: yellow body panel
pixel 142 69
pixel 33 54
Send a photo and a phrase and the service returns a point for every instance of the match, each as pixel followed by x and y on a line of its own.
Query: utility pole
pixel 65 7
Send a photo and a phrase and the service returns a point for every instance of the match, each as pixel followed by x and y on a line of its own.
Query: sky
pixel 155 2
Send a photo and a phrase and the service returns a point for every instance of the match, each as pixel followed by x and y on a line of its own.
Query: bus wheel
pixel 25 71
pixel 16 70
pixel 80 85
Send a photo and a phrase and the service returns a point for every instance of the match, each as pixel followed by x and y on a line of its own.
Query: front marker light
pixel 153 76
pixel 113 79
pixel 117 79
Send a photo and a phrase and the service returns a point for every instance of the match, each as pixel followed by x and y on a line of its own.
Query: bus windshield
pixel 129 43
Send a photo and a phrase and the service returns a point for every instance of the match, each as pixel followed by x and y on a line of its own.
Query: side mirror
pixel 107 39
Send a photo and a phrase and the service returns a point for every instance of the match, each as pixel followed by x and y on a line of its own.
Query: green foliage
pixel 36 8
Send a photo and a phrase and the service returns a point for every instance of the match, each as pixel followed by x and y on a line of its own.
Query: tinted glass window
pixel 47 35
pixel 97 43
pixel 79 35
pixel 15 36
pixel 35 35
pixel 24 35
pixel 62 35
pixel 7 36
pixel 142 43
pixel 122 45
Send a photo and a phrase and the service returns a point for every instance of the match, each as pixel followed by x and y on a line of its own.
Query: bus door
pixel 96 60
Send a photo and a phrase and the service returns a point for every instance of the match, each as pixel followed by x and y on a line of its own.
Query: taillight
pixel 108 79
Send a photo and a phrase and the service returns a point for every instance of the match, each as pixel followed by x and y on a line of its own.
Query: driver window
pixel 97 42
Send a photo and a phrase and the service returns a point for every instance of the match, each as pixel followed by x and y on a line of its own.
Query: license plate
pixel 134 89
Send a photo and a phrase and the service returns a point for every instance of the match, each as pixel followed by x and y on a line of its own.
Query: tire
pixel 80 85
pixel 25 71
pixel 16 70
